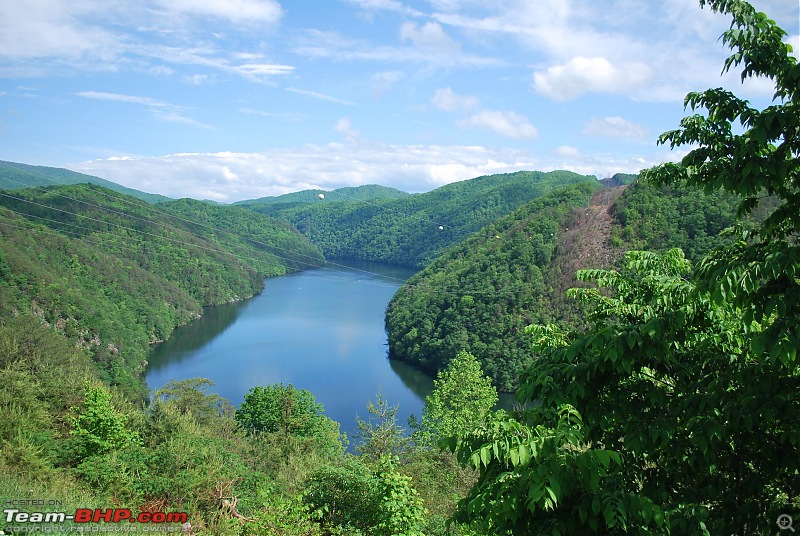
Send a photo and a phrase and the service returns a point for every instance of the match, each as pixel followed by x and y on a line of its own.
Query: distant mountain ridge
pixel 367 192
pixel 14 176
pixel 414 229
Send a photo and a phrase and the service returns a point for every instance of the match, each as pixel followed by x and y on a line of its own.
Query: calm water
pixel 320 330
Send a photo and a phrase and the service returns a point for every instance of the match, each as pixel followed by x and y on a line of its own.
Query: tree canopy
pixel 676 410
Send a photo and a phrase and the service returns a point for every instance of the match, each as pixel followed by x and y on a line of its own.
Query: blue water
pixel 320 330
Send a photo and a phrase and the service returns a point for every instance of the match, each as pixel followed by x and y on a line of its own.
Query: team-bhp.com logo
pixel 16 518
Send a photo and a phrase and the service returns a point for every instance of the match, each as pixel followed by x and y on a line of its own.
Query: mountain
pixel 619 179
pixel 14 176
pixel 367 192
pixel 116 275
pixel 481 293
pixel 414 229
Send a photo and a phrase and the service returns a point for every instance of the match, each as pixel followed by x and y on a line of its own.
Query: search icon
pixel 785 522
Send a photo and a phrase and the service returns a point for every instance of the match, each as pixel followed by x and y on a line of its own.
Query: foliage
pixel 345 495
pixel 116 275
pixel 98 427
pixel 480 295
pixel 282 409
pixel 366 192
pixel 406 231
pixel 190 396
pixel 758 272
pixel 351 497
pixel 682 392
pixel 380 436
pixel 401 510
pixel 460 402
pixel 281 516
pixel 271 246
pixel 659 219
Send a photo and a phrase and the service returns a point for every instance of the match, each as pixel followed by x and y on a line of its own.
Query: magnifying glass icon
pixel 785 522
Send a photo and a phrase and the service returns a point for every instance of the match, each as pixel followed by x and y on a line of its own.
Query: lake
pixel 320 330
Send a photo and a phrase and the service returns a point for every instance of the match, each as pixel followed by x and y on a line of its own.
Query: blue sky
pixel 238 99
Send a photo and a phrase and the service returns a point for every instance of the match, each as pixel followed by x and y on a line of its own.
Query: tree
pixel 380 435
pixel 281 408
pixel 189 396
pixel 676 411
pixel 461 399
pixel 98 427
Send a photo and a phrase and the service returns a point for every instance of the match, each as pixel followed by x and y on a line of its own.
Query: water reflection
pixel 187 339
pixel 321 330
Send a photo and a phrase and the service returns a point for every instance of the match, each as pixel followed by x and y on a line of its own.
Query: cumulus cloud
pixel 230 176
pixel 448 100
pixel 411 168
pixel 615 127
pixel 507 123
pixel 587 75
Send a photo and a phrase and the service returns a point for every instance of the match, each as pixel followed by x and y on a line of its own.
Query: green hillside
pixel 14 176
pixel 367 192
pixel 481 293
pixel 415 229
pixel 115 274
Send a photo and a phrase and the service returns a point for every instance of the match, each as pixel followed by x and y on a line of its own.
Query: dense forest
pixel 481 294
pixel 413 230
pixel 657 396
pixel 116 275
pixel 368 192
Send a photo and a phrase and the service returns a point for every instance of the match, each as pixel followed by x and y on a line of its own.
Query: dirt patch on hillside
pixel 583 241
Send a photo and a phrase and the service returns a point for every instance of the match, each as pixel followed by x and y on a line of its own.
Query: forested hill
pixel 367 192
pixel 114 274
pixel 14 176
pixel 480 294
pixel 415 229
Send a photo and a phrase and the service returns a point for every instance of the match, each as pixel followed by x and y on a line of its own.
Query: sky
pixel 239 99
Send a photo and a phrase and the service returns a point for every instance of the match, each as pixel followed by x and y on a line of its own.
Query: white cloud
pixel 196 79
pixel 590 75
pixel 384 80
pixel 52 28
pixel 448 100
pixel 412 168
pixel 567 151
pixel 615 127
pixel 344 128
pixel 388 5
pixel 429 36
pixel 161 110
pixel 279 115
pixel 507 123
pixel 320 96
pixel 146 101
pixel 243 12
pixel 428 48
